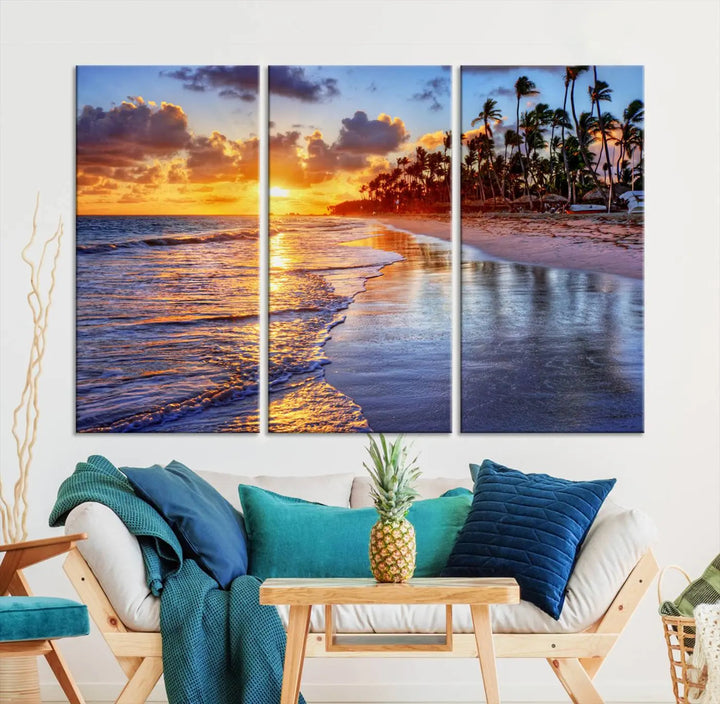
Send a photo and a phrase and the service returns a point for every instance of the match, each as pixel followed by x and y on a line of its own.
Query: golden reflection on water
pixel 313 406
pixel 281 256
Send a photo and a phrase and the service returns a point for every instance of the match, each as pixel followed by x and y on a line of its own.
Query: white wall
pixel 672 471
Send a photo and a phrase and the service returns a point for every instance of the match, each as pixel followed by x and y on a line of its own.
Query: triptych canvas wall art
pixel 360 256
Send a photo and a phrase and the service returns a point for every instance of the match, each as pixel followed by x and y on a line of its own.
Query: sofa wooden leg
pixel 140 685
pixel 63 676
pixel 575 680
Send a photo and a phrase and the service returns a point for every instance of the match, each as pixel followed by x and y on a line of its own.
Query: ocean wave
pixel 155 418
pixel 169 241
pixel 281 313
pixel 324 269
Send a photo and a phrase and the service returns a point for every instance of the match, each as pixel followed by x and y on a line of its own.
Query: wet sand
pixel 609 244
pixel 392 355
pixel 552 322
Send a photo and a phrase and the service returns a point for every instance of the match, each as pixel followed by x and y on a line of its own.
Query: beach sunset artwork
pixel 552 197
pixel 167 249
pixel 360 293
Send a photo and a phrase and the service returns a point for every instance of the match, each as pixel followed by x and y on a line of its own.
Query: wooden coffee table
pixel 302 594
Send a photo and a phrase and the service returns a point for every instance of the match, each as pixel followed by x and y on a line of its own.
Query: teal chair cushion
pixel 41 617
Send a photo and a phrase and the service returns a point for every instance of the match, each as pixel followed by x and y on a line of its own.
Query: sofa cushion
pixel 41 617
pixel 328 489
pixel 210 530
pixel 427 488
pixel 290 537
pixel 526 526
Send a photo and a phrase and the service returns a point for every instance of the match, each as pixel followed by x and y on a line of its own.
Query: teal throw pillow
pixel 290 537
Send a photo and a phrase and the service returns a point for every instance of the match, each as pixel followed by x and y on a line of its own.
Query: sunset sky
pixel 167 140
pixel 497 82
pixel 333 128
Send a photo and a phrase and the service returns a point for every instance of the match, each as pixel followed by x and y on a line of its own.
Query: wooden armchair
pixel 30 625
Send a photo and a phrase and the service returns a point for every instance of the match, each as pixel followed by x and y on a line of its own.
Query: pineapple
pixel 392 539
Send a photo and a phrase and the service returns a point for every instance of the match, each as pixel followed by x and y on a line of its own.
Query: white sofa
pixel 617 546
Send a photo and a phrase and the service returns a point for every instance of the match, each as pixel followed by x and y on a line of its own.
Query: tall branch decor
pixel 42 261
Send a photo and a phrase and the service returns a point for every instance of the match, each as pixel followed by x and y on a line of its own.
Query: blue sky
pixel 106 86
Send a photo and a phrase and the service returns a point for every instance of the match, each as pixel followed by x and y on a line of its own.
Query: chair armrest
pixel 21 555
pixel 44 542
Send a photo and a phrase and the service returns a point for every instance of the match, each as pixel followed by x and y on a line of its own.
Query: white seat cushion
pixel 328 489
pixel 615 543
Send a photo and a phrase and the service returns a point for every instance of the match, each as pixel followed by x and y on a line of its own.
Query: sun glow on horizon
pixel 277 192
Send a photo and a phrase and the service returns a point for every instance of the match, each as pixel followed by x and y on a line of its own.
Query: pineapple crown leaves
pixel 393 476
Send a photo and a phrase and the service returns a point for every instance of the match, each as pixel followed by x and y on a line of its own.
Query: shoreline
pixel 606 244
pixel 403 317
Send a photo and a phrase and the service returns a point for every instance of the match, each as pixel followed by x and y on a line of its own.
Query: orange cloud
pixel 432 140
pixel 142 155
pixel 472 134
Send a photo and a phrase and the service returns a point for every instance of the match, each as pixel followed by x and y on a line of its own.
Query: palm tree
pixel 559 119
pixel 587 127
pixel 523 87
pixel 475 148
pixel 625 142
pixel 567 79
pixel 633 114
pixel 599 92
pixel 639 170
pixel 572 73
pixel 489 112
pixel 512 140
pixel 421 160
pixel 447 145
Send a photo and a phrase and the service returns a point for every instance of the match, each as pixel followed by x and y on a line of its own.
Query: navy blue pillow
pixel 526 526
pixel 210 530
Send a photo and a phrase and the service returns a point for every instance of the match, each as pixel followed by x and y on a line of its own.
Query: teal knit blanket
pixel 219 646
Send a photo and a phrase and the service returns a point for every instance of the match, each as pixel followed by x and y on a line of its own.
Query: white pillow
pixel 328 489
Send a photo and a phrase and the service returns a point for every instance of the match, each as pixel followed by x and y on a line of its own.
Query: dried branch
pixel 14 514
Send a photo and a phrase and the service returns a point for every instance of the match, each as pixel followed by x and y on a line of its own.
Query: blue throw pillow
pixel 210 530
pixel 526 526
pixel 290 537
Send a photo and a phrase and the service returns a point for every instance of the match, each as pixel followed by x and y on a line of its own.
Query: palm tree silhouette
pixel 489 112
pixel 633 114
pixel 523 87
pixel 600 91
pixel 567 80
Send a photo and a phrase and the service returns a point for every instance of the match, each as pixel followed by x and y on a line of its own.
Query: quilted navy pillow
pixel 210 530
pixel 526 526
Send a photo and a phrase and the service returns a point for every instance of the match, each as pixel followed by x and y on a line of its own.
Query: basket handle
pixel 666 569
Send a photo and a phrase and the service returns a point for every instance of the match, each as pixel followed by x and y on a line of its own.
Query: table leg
pixel 298 627
pixel 486 651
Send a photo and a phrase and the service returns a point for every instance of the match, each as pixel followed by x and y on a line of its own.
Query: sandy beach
pixel 608 244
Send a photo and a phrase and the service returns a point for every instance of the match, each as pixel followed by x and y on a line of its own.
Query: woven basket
pixel 680 641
